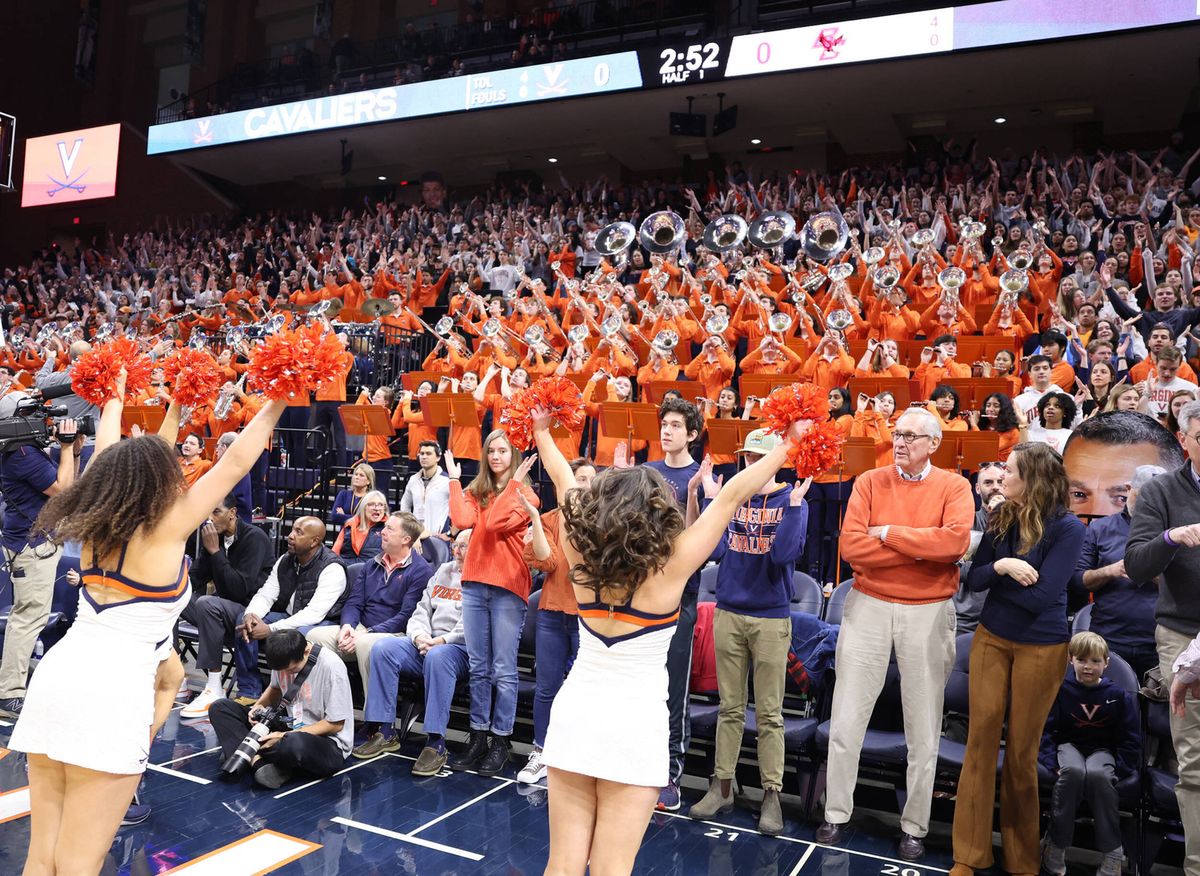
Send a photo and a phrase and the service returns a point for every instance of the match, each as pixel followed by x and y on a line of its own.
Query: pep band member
pixel 133 517
pixel 606 747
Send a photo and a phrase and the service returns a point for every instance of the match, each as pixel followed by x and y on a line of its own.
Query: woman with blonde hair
pixel 495 593
pixel 360 538
pixel 346 502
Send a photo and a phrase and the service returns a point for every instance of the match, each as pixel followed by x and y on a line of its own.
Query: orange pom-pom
pixel 795 401
pixel 94 374
pixel 819 450
pixel 558 395
pixel 194 376
pixel 290 363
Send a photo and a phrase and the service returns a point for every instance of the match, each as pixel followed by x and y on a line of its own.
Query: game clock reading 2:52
pixel 684 64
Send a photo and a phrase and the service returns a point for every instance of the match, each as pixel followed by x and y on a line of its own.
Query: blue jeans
pixel 245 656
pixel 441 669
pixel 557 643
pixel 492 622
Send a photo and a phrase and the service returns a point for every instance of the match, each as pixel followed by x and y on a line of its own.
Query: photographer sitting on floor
pixel 320 715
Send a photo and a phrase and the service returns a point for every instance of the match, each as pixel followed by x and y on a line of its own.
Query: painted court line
pixel 258 853
pixel 733 828
pixel 14 804
pixel 408 838
pixel 177 774
pixel 503 784
pixel 189 756
pixel 803 860
pixel 318 781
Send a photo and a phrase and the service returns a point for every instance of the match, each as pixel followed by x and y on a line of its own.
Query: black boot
pixel 469 757
pixel 496 758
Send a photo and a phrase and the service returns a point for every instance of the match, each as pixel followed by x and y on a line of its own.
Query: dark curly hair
pixel 129 485
pixel 624 527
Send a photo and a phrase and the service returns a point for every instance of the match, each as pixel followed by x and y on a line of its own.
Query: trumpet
pixel 198 340
pixel 951 280
pixel 840 273
pixel 923 239
pixel 873 256
pixel 1014 282
pixel 225 400
pixel 577 334
pixel 886 278
pixel 839 320
pixel 779 324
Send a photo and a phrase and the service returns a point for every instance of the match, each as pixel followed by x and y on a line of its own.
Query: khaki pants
pixel 1185 733
pixel 326 637
pixel 33 591
pixel 739 640
pixel 923 639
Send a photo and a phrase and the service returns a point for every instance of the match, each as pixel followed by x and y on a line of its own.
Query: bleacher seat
pixel 1160 819
pixel 435 551
pixel 1083 621
pixel 808 596
pixel 708 583
pixel 837 602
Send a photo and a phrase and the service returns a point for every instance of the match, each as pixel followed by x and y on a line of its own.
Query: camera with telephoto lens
pixel 35 424
pixel 272 719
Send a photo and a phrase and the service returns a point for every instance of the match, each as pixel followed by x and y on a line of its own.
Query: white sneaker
pixel 198 708
pixel 534 770
pixel 184 690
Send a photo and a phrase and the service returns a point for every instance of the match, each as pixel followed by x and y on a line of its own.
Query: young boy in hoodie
pixel 1092 740
pixel 752 623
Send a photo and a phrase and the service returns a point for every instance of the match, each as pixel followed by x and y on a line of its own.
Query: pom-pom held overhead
pixel 818 449
pixel 289 364
pixel 194 376
pixel 94 374
pixel 557 395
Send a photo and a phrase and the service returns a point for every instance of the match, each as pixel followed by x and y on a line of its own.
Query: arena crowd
pixel 1036 309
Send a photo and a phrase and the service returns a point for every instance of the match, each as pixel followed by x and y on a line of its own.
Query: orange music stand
pixel 444 409
pixel 873 386
pixel 966 451
pixel 726 437
pixel 654 391
pixel 762 385
pixel 579 379
pixel 367 420
pixel 634 420
pixel 148 417
pixel 410 380
pixel 973 390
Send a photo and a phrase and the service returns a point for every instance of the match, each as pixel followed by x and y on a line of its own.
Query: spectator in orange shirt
pixel 937 363
pixel 881 359
pixel 874 418
pixel 944 404
pixel 713 367
pixel 190 461
pixel 377 449
pixel 829 366
pixel 771 357
pixel 329 398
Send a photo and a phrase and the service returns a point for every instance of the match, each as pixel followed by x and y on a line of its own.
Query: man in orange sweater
pixel 905 576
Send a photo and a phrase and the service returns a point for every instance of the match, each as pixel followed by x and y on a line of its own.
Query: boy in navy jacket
pixel 1092 740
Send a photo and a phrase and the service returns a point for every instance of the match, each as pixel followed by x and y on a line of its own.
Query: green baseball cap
pixel 760 441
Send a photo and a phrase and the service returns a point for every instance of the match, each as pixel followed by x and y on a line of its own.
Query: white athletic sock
pixel 214 681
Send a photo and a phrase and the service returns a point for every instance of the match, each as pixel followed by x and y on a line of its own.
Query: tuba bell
pixel 614 238
pixel 886 277
pixel 824 236
pixel 771 230
pixel 725 232
pixel 662 232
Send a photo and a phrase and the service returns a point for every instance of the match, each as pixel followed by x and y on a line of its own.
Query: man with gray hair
pixel 906 528
pixel 52 383
pixel 1164 542
pixel 1122 608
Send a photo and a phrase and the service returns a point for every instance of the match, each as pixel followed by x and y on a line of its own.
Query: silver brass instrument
pixel 1020 260
pixel 534 336
pixel 779 323
pixel 198 340
pixel 725 232
pixel 824 236
pixel 70 329
pixel 840 273
pixel 577 334
pixel 771 230
pixel 886 278
pixel 951 280
pixel 234 336
pixel 873 256
pixel 716 325
pixel 662 232
pixel 614 238
pixel 665 342
pixel 225 401
pixel 839 320
pixel 1014 282
pixel 104 332
pixel 923 238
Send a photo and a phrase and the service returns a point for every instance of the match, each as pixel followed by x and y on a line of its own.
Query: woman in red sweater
pixel 495 585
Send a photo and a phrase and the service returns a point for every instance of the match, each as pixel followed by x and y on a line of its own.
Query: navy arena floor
pixel 376 818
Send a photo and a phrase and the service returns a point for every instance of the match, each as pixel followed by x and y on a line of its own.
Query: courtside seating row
pixel 1150 811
